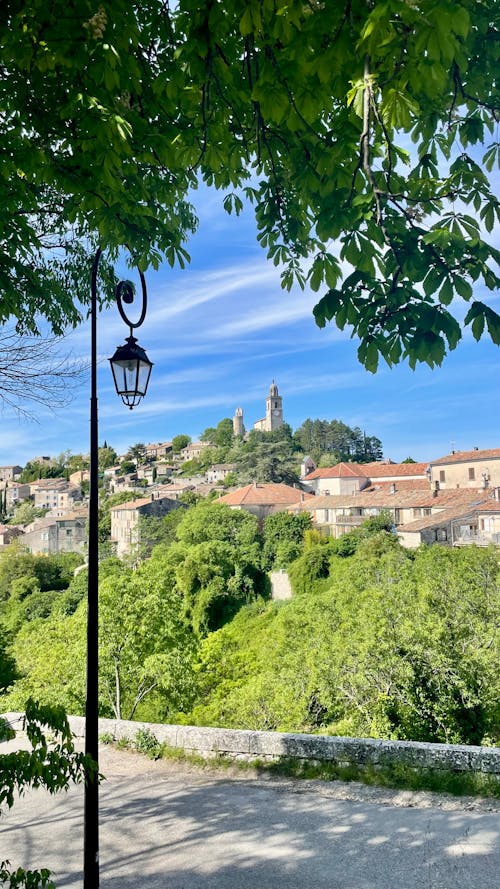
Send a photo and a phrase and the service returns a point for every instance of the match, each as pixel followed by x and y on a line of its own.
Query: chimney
pixel 436 489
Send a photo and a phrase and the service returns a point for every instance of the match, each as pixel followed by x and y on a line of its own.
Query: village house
pixel 125 519
pixel 146 473
pixel 477 523
pixel 347 478
pixel 79 476
pixel 418 515
pixel 15 493
pixel 193 451
pixel 262 499
pixel 9 473
pixel 467 469
pixel 57 534
pixel 157 451
pixel 173 490
pixel 112 471
pixel 55 494
pixel 8 533
pixel 307 466
pixel 219 471
pixel 126 482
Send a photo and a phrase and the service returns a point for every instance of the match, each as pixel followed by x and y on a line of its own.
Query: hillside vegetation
pixel 376 641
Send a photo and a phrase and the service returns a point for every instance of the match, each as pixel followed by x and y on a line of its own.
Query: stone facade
pixel 274 412
pixel 238 425
pixel 64 534
pixel 9 473
pixel 467 469
pixel 125 531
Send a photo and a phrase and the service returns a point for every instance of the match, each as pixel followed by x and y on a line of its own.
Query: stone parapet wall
pixel 268 746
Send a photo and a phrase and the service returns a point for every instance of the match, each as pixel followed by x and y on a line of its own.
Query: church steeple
pixel 274 409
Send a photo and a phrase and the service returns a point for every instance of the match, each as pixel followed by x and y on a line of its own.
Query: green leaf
pixel 463 287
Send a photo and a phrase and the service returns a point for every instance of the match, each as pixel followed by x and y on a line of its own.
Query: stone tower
pixel 238 427
pixel 274 409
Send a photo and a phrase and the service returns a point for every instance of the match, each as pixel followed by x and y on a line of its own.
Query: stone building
pixel 125 529
pixel 467 469
pixel 263 499
pixel 238 426
pixel 274 411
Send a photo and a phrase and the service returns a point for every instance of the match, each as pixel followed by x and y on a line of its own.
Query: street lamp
pixel 131 369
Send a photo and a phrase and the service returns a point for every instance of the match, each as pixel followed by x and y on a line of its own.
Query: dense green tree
pixel 305 111
pixel 219 566
pixel 25 513
pixel 144 657
pixel 35 470
pixel 179 442
pixel 386 643
pixel 283 538
pixel 331 441
pixel 127 466
pixel 106 457
pixel 267 457
pixel 137 453
pixel 220 436
pixel 8 669
pixel 155 530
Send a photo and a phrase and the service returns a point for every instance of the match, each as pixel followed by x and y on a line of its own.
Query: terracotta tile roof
pixel 340 470
pixel 50 483
pixel 264 495
pixel 490 507
pixel 132 504
pixel 467 456
pixel 377 469
pixel 402 484
pixel 400 500
pixel 394 470
pixel 436 520
pixel 71 516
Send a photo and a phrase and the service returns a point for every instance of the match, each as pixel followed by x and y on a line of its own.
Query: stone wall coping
pixel 247 744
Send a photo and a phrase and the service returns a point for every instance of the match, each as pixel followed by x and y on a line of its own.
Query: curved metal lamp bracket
pixel 125 293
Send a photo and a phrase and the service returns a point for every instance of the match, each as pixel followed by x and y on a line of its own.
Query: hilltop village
pixel 452 499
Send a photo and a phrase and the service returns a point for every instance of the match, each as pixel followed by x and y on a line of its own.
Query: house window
pixel 442 475
pixel 442 535
pixel 417 512
pixel 472 474
pixel 427 510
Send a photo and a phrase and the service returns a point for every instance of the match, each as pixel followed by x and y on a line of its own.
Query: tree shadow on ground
pixel 193 830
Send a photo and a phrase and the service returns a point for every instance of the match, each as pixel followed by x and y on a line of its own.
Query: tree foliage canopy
pixel 363 134
pixel 337 441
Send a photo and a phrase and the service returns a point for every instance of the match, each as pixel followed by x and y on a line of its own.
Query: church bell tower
pixel 274 409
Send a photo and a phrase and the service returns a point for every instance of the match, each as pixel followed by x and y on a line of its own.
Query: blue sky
pixel 221 330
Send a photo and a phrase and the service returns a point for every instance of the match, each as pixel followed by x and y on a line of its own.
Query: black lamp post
pixel 131 371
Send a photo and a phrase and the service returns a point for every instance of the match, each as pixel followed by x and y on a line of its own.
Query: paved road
pixel 165 826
